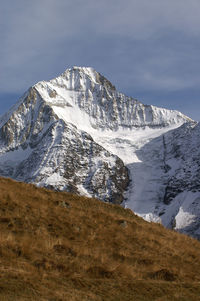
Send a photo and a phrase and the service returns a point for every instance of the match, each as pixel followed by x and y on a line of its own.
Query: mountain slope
pixel 182 192
pixel 36 146
pixel 59 246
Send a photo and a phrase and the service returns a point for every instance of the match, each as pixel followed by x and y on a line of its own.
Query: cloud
pixel 137 44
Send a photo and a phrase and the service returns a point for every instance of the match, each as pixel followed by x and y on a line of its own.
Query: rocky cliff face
pixel 78 133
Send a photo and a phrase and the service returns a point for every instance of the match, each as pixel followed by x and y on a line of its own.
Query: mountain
pixel 39 147
pixel 61 246
pixel 78 133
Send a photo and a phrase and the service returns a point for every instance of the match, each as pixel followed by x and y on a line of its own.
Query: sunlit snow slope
pixel 77 132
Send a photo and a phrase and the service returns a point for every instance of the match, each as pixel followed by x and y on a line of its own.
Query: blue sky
pixel 149 50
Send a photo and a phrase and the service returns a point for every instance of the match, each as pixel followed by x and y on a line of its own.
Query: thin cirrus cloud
pixel 148 49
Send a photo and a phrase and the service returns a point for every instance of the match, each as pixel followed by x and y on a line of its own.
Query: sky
pixel 149 50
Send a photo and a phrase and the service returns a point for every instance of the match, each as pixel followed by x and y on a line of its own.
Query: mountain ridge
pixel 106 107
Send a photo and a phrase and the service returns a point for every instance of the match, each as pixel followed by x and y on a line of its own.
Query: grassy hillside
pixel 57 246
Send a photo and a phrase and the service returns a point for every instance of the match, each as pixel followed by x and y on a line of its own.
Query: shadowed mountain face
pixel 78 133
pixel 169 167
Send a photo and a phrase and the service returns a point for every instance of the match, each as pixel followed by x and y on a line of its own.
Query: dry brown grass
pixel 57 246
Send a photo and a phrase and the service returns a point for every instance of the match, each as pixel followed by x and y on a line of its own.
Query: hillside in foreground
pixel 57 246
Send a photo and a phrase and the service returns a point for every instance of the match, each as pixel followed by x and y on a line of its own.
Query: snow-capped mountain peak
pixel 78 133
pixel 99 105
